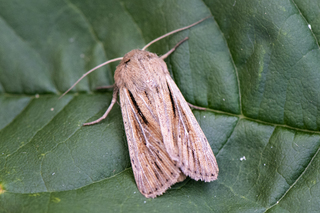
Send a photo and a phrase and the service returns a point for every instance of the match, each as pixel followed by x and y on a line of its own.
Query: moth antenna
pixel 174 48
pixel 105 87
pixel 90 71
pixel 172 32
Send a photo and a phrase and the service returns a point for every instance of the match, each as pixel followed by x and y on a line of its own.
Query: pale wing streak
pixel 166 115
pixel 148 107
pixel 159 160
pixel 167 130
pixel 137 119
pixel 188 136
pixel 148 144
pixel 150 110
pixel 132 140
pixel 207 154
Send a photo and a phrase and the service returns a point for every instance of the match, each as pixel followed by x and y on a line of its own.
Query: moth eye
pixel 127 61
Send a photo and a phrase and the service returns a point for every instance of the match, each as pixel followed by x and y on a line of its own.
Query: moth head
pixel 138 69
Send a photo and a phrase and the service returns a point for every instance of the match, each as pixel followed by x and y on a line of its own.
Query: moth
pixel 165 141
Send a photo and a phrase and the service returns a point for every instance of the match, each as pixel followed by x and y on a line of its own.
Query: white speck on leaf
pixel 309 25
pixel 53 173
pixel 243 158
pixel 52 109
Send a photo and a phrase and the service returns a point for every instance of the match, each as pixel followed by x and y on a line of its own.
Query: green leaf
pixel 255 65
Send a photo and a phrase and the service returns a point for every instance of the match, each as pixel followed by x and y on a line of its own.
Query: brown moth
pixel 165 141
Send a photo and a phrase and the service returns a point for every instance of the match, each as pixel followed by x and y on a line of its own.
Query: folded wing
pixel 153 169
pixel 195 155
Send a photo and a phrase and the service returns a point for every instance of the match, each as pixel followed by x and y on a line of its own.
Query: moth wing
pixel 196 158
pixel 153 169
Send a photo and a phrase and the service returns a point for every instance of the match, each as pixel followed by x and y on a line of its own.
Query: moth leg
pixel 174 48
pixel 105 87
pixel 196 107
pixel 113 101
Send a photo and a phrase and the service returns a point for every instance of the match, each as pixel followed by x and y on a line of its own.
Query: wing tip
pixel 196 175
pixel 164 188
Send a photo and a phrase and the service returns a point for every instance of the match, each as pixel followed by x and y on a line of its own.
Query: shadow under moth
pixel 165 141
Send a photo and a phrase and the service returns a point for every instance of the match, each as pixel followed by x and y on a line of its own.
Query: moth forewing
pixel 196 158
